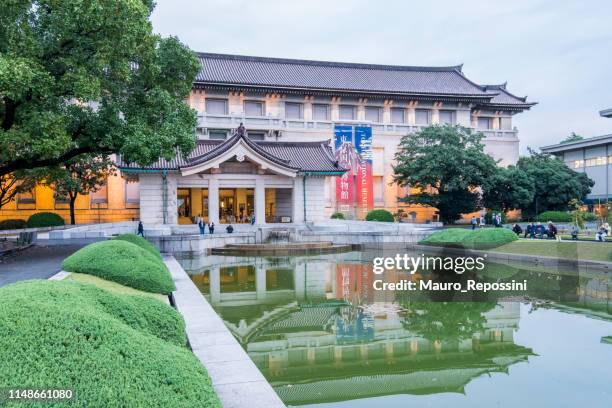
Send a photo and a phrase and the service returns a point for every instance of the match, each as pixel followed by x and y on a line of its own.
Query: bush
pixel 489 216
pixel 380 215
pixel 45 219
pixel 12 224
pixel 447 237
pixel 589 217
pixel 122 262
pixel 77 336
pixel 337 216
pixel 141 242
pixel 484 238
pixel 555 216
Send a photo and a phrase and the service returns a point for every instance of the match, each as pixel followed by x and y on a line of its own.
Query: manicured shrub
pixel 337 216
pixel 141 242
pixel 122 262
pixel 555 216
pixel 45 219
pixel 483 238
pixel 486 238
pixel 12 224
pixel 112 350
pixel 447 237
pixel 379 215
pixel 589 217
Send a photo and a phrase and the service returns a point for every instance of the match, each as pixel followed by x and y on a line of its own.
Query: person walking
pixel 482 221
pixel 474 222
pixel 140 229
pixel 202 226
pixel 211 227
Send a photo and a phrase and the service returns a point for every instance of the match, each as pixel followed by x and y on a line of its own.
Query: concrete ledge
pixel 235 378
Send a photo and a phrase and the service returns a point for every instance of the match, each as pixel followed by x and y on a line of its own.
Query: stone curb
pixel 236 379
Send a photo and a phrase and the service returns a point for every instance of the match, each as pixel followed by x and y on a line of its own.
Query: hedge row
pixel 112 350
pixel 563 216
pixel 483 238
pixel 12 224
pixel 45 219
pixel 123 262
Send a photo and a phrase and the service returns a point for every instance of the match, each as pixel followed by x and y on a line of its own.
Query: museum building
pixel 281 165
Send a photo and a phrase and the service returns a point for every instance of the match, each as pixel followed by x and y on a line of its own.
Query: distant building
pixel 282 169
pixel 592 156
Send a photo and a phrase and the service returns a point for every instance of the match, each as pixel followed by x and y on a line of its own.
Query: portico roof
pixel 291 157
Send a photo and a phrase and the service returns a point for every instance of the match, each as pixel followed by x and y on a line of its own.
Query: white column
pixel 298 203
pixel 213 200
pixel 215 285
pixel 260 281
pixel 260 201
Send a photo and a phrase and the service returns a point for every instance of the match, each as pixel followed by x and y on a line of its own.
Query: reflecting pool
pixel 324 337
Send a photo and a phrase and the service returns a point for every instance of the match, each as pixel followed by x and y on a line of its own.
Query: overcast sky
pixel 559 53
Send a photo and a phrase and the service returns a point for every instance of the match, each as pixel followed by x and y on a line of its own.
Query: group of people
pixel 211 226
pixel 538 230
pixel 496 219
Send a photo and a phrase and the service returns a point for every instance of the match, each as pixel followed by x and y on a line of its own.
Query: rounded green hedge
pixel 483 238
pixel 12 224
pixel 555 216
pixel 141 242
pixel 45 219
pixel 112 350
pixel 337 216
pixel 122 262
pixel 380 215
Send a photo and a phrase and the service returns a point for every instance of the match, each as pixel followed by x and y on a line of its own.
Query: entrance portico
pixel 238 181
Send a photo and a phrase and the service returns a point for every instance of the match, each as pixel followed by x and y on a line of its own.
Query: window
pixel 484 123
pixel 447 117
pixel 253 108
pixel 595 161
pixel 372 113
pixel 217 134
pixel 379 190
pixel 216 106
pixel 293 110
pixel 398 115
pixel 100 196
pixel 132 191
pixel 422 117
pixel 257 135
pixel 347 112
pixel 27 199
pixel 505 123
pixel 320 111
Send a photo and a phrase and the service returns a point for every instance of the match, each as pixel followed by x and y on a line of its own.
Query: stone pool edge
pixel 235 378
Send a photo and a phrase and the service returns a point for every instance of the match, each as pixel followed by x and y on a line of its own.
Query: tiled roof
pixel 222 69
pixel 315 157
pixel 503 97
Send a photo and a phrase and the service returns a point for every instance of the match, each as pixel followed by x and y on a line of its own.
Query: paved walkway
pixel 36 262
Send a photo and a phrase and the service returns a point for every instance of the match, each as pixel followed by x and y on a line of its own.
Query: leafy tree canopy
pixel 555 184
pixel 447 164
pixel 573 137
pixel 90 77
pixel 507 189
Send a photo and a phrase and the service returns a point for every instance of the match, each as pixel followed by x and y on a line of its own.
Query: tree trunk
pixel 72 218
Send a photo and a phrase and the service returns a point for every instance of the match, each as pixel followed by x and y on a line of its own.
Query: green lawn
pixel 113 287
pixel 565 249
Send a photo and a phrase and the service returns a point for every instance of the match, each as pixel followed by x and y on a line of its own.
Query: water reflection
pixel 320 333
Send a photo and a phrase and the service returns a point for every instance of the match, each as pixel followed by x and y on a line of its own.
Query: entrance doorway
pixel 236 205
pixel 192 203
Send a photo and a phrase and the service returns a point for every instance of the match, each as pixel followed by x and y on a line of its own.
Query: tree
pixel 90 77
pixel 508 189
pixel 447 164
pixel 555 184
pixel 15 183
pixel 81 175
pixel 573 137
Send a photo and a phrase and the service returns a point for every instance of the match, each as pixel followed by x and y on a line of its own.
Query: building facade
pixel 287 102
pixel 592 156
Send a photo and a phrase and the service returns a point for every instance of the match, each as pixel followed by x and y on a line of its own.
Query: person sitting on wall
pixel 601 234
pixel 574 232
pixel 211 227
pixel 527 230
pixel 229 229
pixel 552 230
pixel 518 230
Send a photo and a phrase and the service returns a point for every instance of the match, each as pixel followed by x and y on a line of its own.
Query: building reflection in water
pixel 319 332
